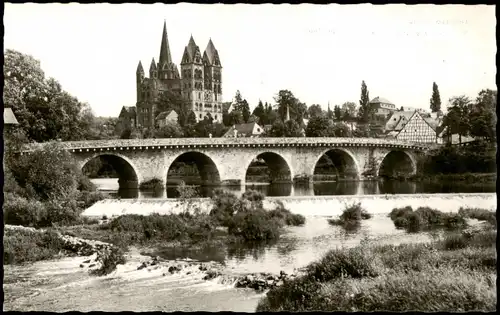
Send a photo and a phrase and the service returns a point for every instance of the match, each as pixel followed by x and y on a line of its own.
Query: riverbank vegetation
pixel 455 272
pixel 351 217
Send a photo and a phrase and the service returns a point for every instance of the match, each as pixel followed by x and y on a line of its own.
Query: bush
pixel 152 184
pixel 425 218
pixel 479 214
pixel 255 197
pixel 50 171
pixel 254 226
pixel 342 263
pixel 109 259
pixel 225 204
pixel 351 216
pixel 285 216
pixel 18 210
pixel 22 246
pixel 88 198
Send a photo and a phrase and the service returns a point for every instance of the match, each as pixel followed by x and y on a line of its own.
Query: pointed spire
pixel 153 65
pixel 165 56
pixel 140 69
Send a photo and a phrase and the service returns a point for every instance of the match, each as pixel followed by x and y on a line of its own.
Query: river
pixel 315 189
pixel 61 285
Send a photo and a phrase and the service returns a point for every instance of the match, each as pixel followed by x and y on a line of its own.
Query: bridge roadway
pixel 227 160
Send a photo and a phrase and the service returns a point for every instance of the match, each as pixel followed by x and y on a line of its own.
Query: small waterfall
pixel 306 205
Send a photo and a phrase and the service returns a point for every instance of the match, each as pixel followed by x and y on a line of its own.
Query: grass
pixel 23 246
pixel 425 277
pixel 425 218
pixel 351 216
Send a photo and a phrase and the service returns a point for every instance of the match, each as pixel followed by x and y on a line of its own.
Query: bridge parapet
pixel 169 143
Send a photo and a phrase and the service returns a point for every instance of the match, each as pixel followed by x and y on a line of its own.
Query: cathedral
pixel 199 81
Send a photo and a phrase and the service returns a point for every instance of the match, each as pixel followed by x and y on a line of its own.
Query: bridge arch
pixel 397 164
pixel 279 169
pixel 128 174
pixel 340 162
pixel 193 167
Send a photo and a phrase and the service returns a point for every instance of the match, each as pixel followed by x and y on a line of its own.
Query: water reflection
pixel 316 189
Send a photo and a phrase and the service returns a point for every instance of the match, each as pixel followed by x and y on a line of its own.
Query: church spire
pixel 165 56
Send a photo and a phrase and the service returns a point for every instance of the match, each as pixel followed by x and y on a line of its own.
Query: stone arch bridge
pixel 226 160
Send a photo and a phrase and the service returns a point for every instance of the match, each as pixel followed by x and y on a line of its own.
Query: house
pixel 382 105
pixel 165 117
pixel 412 109
pixel 128 117
pixel 397 121
pixel 244 130
pixel 417 129
pixel 452 139
pixel 9 118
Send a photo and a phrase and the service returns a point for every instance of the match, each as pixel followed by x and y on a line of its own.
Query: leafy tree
pixel 435 99
pixel 168 100
pixel 259 112
pixel 290 128
pixel 242 106
pixel 483 115
pixel 362 131
pixel 340 130
pixel 365 110
pixel 169 130
pixel 315 111
pixel 338 112
pixel 277 129
pixel 285 100
pixel 457 118
pixel 329 113
pixel 205 127
pixel 235 117
pixel 348 111
pixel 319 127
pixel 44 110
pixel 219 130
pixel 253 119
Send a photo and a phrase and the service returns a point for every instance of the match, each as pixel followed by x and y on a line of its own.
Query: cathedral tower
pixel 213 80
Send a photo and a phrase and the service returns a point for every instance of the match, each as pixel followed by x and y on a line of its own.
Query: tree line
pixel 46 112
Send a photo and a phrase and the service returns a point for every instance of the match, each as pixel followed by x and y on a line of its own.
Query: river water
pixel 61 285
pixel 316 189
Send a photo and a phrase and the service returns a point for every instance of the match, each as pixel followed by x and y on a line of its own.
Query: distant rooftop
pixel 379 99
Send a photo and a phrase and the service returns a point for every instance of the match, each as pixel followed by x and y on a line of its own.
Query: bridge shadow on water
pixel 326 188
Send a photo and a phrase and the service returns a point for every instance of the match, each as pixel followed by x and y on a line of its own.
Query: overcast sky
pixel 319 52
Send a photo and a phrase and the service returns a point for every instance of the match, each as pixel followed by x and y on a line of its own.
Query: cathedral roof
pixel 165 56
pixel 140 69
pixel 153 65
pixel 212 53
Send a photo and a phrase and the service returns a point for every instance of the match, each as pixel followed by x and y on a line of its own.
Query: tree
pixel 337 112
pixel 43 109
pixel 329 113
pixel 483 115
pixel 348 111
pixel 365 110
pixel 242 106
pixel 286 101
pixel 457 118
pixel 435 99
pixel 314 111
pixel 289 128
pixel 169 130
pixel 339 129
pixel 259 111
pixel 318 127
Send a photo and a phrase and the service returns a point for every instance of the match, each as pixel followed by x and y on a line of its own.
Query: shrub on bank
pixel 285 216
pixel 254 226
pixel 21 245
pixel 479 214
pixel 351 216
pixel 225 204
pixel 417 277
pixel 109 258
pixel 425 218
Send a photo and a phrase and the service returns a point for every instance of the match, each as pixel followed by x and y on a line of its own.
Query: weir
pixel 305 205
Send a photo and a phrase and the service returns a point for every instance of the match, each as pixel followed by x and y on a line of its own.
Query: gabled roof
pixel 402 117
pixel 415 113
pixel 379 99
pixel 212 54
pixel 164 114
pixel 8 117
pixel 246 129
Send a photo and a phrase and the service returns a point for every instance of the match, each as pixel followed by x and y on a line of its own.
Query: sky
pixel 321 53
